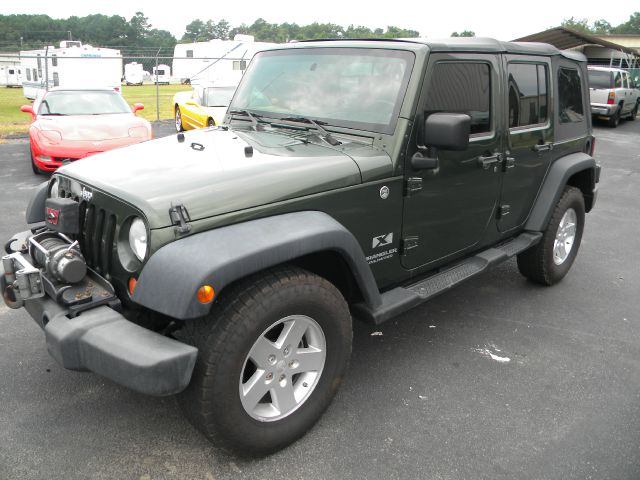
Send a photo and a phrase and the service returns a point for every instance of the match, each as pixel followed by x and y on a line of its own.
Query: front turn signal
pixel 205 294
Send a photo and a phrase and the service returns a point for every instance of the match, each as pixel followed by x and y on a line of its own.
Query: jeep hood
pixel 216 171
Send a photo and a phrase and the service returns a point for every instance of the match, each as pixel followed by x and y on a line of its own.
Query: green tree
pixel 194 32
pixel 631 26
pixel 464 33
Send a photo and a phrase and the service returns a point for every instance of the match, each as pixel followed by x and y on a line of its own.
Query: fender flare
pixel 171 277
pixel 559 174
pixel 35 208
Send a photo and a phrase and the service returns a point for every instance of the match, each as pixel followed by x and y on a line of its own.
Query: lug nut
pixel 286 350
pixel 269 376
pixel 305 384
pixel 272 358
pixel 283 378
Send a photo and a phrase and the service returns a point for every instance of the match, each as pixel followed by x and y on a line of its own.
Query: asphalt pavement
pixel 428 395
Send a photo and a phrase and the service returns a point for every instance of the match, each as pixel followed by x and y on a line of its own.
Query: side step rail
pixel 401 299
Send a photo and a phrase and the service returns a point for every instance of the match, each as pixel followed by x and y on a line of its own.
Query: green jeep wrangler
pixel 351 179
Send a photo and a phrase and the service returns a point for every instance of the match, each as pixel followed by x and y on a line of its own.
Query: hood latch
pixel 180 218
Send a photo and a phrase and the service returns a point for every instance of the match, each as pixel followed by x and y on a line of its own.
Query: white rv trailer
pixel 216 60
pixel 10 76
pixel 133 73
pixel 72 65
pixel 162 74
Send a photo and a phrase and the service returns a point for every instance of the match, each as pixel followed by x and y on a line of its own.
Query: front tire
pixel 34 167
pixel 550 260
pixel 271 356
pixel 178 118
pixel 634 112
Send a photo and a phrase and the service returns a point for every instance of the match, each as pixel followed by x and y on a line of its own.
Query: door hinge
pixel 408 243
pixel 413 185
pixel 180 218
pixel 503 211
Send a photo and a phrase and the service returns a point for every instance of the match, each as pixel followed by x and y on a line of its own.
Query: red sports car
pixel 71 124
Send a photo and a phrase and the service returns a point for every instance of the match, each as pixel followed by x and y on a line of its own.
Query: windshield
pixel 83 103
pixel 599 79
pixel 218 96
pixel 350 87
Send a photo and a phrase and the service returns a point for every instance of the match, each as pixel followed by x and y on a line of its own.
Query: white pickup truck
pixel 613 95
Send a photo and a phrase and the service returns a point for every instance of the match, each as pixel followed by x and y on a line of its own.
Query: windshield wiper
pixel 252 116
pixel 327 135
pixel 55 114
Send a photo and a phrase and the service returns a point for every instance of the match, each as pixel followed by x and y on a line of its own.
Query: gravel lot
pixel 422 400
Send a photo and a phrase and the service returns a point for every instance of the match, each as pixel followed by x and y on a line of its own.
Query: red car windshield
pixel 83 103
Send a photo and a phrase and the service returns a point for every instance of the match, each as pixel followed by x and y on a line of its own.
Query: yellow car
pixel 205 106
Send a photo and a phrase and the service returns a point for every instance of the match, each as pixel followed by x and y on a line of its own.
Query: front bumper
pixel 103 341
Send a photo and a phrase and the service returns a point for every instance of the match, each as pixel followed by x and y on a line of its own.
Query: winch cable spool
pixel 63 260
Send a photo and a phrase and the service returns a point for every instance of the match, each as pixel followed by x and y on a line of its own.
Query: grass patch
pixel 13 121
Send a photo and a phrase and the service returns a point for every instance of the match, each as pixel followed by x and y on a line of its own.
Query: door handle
pixel 486 161
pixel 545 147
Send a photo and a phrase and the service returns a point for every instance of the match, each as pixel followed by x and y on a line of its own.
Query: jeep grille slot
pixel 97 234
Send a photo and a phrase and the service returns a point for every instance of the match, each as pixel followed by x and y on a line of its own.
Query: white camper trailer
pixel 72 65
pixel 133 73
pixel 162 74
pixel 216 60
pixel 10 76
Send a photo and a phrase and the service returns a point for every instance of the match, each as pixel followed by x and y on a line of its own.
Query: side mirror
pixel 447 131
pixel 137 106
pixel 28 109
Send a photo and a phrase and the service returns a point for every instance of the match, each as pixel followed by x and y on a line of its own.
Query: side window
pixel 35 75
pixel 54 60
pixel 570 96
pixel 527 94
pixel 462 87
pixel 625 81
pixel 56 79
pixel 189 53
pixel 39 60
pixel 239 65
pixel 28 75
pixel 11 71
pixel 617 80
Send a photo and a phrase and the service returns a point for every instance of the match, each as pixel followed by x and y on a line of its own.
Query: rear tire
pixel 248 342
pixel 550 260
pixel 614 120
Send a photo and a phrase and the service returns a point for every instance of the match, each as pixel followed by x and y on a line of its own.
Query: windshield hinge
pixel 180 218
pixel 413 185
pixel 408 243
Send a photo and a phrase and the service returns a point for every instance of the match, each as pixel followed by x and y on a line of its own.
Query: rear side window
pixel 527 94
pixel 28 75
pixel 189 53
pixel 617 80
pixel 570 96
pixel 462 87
pixel 599 79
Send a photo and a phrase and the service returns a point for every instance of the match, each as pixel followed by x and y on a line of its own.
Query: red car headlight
pixel 50 137
pixel 139 132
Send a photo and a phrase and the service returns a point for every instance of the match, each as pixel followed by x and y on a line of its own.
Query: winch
pixel 53 252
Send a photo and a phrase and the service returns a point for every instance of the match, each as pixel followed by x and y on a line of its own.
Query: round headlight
pixel 55 188
pixel 138 238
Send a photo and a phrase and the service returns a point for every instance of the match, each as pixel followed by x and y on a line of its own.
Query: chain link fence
pixel 152 80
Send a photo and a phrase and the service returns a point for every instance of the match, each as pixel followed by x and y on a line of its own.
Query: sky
pixel 504 20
